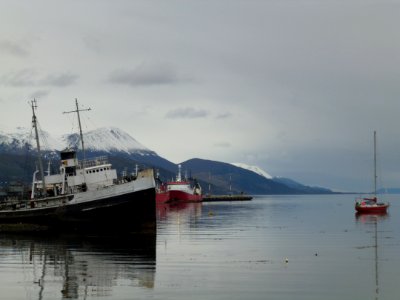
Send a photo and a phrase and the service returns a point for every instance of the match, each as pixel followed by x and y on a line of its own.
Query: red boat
pixel 180 190
pixel 370 205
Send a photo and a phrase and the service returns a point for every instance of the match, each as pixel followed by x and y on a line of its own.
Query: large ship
pixel 85 194
pixel 178 190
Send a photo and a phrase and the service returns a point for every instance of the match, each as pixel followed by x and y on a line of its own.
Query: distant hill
pixel 254 169
pixel 304 188
pixel 389 191
pixel 230 178
pixel 18 156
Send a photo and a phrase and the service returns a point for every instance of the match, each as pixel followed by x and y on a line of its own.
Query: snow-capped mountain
pixel 107 139
pixel 254 169
pixel 23 138
pixel 125 152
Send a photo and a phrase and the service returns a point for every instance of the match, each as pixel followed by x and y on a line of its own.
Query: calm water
pixel 219 251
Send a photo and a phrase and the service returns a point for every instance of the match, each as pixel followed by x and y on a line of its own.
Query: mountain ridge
pixel 125 152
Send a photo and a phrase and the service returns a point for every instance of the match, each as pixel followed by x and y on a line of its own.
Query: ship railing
pixel 92 162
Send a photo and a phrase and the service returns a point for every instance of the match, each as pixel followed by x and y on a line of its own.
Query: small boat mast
pixel 375 175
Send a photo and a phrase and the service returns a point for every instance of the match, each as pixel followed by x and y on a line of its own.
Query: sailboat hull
pixel 378 208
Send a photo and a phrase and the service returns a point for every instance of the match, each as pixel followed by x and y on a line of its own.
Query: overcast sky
pixel 296 87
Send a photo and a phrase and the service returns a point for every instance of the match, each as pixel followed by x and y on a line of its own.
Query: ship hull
pixel 119 206
pixel 183 196
pixel 162 197
pixel 176 196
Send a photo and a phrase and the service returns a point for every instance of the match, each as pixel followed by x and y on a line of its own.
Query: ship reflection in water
pixel 72 267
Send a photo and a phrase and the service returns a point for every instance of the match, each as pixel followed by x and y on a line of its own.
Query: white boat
pixel 84 194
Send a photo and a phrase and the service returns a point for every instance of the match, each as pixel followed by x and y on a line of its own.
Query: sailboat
pixel 84 194
pixel 371 205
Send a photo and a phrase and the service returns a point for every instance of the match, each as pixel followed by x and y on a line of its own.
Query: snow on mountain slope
pixel 106 139
pixel 24 136
pixel 254 169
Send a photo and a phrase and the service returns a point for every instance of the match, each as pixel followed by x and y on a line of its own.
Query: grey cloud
pixel 13 48
pixel 39 94
pixel 223 115
pixel 92 43
pixel 187 113
pixel 25 77
pixel 63 79
pixel 29 77
pixel 222 144
pixel 145 75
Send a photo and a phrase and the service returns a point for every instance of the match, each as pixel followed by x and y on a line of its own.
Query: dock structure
pixel 217 198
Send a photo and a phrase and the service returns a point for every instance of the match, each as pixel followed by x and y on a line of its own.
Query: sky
pixel 296 87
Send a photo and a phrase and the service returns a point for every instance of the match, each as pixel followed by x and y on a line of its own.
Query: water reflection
pixel 168 211
pixel 76 267
pixel 373 219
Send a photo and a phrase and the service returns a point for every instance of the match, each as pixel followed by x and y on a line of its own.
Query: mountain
pixel 118 144
pixel 226 177
pixel 254 169
pixel 286 181
pixel 107 139
pixel 301 187
pixel 388 191
pixel 18 156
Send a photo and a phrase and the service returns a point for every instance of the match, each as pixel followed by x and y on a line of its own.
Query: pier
pixel 217 198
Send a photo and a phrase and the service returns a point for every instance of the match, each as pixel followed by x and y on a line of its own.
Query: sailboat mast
pixel 34 124
pixel 375 176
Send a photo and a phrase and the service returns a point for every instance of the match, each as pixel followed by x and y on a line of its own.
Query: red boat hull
pixel 176 196
pixel 182 196
pixel 162 197
pixel 379 209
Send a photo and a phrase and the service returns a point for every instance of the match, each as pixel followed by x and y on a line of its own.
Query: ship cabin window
pixel 98 170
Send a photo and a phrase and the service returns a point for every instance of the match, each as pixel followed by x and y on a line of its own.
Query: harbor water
pixel 273 247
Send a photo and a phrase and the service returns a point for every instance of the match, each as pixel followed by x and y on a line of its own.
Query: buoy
pixel 286 260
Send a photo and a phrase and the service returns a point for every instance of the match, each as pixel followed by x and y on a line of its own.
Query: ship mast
pixel 34 124
pixel 79 122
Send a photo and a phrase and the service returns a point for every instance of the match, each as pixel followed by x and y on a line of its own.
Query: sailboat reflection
pixel 76 267
pixel 373 219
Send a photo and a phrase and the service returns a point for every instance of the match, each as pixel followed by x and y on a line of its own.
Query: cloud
pixel 39 94
pixel 222 144
pixel 187 113
pixel 63 79
pixel 13 48
pixel 25 77
pixel 93 43
pixel 29 77
pixel 223 115
pixel 145 74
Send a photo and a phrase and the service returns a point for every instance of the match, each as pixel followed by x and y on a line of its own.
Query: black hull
pixel 130 212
